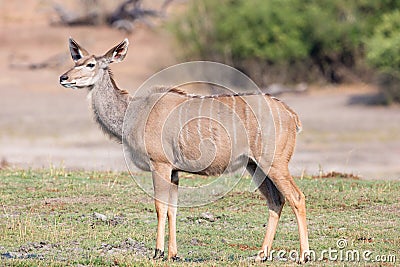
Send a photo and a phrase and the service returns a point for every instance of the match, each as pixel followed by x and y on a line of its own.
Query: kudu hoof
pixel 176 258
pixel 158 254
pixel 261 256
pixel 306 259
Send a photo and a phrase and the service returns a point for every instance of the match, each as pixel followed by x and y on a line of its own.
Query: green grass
pixel 46 219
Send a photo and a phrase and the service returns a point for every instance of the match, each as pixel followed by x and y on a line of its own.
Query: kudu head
pixel 88 68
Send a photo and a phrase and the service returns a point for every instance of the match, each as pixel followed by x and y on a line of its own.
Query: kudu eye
pixel 90 65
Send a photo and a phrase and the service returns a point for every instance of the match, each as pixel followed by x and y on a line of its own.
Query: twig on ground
pixel 52 62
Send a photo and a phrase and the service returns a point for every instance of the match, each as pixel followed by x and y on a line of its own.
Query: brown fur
pixel 179 91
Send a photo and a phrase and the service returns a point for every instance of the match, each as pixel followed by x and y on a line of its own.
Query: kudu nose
pixel 63 78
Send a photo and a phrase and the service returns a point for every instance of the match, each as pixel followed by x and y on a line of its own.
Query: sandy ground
pixel 340 134
pixel 43 124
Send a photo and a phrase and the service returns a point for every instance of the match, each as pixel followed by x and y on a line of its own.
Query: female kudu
pixel 164 134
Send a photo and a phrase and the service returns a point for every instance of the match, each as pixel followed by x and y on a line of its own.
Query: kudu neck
pixel 109 104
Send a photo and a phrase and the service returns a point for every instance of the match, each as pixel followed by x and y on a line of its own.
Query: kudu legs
pixel 165 183
pixel 296 199
pixel 276 187
pixel 172 210
pixel 275 202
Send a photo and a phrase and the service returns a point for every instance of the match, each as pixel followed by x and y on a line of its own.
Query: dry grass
pixel 57 218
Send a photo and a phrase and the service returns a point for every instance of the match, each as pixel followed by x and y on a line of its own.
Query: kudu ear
pixel 117 53
pixel 77 52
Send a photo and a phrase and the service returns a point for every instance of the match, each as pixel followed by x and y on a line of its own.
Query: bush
pixel 292 40
pixel 241 29
pixel 250 35
pixel 383 48
pixel 383 52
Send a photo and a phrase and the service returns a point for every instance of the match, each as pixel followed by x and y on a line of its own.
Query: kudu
pixel 180 147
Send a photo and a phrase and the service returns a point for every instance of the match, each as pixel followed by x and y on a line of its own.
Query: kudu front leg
pixel 165 199
pixel 172 210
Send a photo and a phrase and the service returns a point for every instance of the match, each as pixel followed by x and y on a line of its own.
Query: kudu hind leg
pixel 275 202
pixel 285 184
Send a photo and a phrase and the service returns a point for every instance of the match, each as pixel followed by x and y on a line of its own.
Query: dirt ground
pixel 43 124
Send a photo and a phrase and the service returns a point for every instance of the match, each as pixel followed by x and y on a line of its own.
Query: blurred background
pixel 337 63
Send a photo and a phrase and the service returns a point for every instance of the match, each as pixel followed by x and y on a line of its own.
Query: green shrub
pixel 383 48
pixel 242 29
pixel 294 40
pixel 383 52
pixel 250 35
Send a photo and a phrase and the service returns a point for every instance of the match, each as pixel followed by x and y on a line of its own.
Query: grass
pixel 51 218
